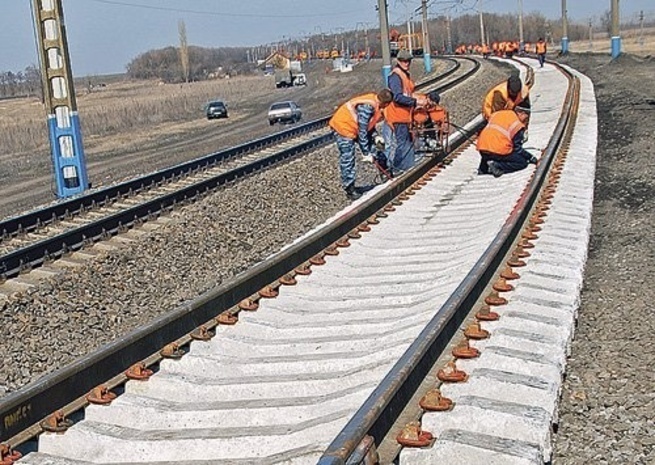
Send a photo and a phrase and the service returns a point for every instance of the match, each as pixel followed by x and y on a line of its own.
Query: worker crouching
pixel 501 142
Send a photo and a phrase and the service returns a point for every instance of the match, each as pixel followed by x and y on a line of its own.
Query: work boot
pixel 352 193
pixel 494 169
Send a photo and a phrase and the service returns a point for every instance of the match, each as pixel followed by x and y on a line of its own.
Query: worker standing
pixel 398 115
pixel 505 96
pixel 354 123
pixel 541 51
pixel 500 143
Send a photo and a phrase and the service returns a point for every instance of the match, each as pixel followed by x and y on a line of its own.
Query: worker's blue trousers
pixel 346 148
pixel 508 163
pixel 400 147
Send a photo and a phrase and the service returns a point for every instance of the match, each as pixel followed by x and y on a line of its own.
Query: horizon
pixel 105 35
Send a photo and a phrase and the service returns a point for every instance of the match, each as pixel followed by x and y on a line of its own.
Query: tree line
pixel 192 63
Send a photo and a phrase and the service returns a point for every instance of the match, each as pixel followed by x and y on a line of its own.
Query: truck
pixel 287 78
pixel 284 78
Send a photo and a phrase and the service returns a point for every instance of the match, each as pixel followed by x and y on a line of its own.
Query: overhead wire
pixel 223 14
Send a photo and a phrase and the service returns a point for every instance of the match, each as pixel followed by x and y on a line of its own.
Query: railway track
pixel 41 236
pixel 289 378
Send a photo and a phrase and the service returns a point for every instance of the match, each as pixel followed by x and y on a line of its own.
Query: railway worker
pixel 500 143
pixel 540 48
pixel 485 50
pixel 355 123
pixel 505 96
pixel 398 115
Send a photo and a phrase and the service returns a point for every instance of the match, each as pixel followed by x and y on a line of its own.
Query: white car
pixel 284 112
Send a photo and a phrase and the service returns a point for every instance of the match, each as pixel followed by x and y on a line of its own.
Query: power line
pixel 229 15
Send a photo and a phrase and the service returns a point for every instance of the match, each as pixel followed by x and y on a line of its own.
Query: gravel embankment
pixel 607 412
pixel 76 312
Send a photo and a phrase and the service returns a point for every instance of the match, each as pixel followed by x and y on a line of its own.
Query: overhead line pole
pixel 616 35
pixel 384 41
pixel 565 38
pixel 521 41
pixel 426 36
pixel 59 98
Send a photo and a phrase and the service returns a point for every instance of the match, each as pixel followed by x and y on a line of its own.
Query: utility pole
pixel 641 29
pixel 384 41
pixel 427 62
pixel 591 36
pixel 449 38
pixel 521 41
pixel 409 35
pixel 616 35
pixel 59 98
pixel 482 37
pixel 565 26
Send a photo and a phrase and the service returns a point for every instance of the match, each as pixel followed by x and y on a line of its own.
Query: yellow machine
pixel 412 42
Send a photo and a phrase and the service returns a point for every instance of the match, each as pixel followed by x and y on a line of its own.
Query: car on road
pixel 284 112
pixel 216 109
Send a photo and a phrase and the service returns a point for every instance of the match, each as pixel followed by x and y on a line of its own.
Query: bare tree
pixel 184 50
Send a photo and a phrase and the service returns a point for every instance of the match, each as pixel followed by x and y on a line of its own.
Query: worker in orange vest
pixel 398 115
pixel 505 96
pixel 541 51
pixel 354 122
pixel 500 143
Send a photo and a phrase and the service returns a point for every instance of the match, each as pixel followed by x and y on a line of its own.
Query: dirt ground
pixel 607 414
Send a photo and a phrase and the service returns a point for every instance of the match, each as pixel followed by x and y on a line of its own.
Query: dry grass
pixel 632 41
pixel 125 108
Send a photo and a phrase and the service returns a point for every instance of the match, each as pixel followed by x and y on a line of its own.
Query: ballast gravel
pixel 77 311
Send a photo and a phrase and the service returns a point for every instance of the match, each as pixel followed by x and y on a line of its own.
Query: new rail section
pixel 358 440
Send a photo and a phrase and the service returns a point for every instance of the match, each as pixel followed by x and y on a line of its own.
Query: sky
pixel 105 35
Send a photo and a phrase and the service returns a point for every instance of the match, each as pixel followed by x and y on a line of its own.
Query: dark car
pixel 216 109
pixel 284 112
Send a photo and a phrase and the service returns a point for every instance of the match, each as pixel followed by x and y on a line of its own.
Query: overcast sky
pixel 105 35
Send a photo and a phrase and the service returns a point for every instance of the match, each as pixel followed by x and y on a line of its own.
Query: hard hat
pixel 404 55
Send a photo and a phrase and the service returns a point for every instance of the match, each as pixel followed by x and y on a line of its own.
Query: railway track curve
pixel 383 287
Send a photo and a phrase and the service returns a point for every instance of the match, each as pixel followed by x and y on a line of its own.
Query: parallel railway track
pixel 282 383
pixel 38 237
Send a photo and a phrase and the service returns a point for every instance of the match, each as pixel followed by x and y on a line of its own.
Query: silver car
pixel 284 112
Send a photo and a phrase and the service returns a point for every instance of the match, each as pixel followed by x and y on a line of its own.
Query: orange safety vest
pixel 541 47
pixel 395 113
pixel 497 136
pixel 487 106
pixel 344 120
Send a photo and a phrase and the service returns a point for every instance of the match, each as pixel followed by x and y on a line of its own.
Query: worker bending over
pixel 354 123
pixel 501 143
pixel 505 96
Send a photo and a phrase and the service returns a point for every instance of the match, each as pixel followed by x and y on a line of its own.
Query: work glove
pixel 368 157
pixel 379 143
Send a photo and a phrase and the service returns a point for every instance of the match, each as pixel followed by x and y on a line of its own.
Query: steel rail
pixel 380 411
pixel 22 410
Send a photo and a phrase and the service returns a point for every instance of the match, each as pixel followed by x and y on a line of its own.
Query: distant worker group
pixel 393 126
